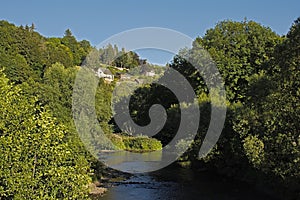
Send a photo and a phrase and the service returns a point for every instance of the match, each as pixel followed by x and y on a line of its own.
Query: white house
pixel 105 73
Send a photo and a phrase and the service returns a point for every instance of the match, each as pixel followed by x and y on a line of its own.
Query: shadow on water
pixel 174 183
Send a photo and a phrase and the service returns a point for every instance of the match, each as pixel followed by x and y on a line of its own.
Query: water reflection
pixel 131 162
pixel 179 184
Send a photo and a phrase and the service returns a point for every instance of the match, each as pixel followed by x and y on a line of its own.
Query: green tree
pixel 56 91
pixel 108 54
pixel 16 67
pixel 79 50
pixel 58 52
pixel 272 117
pixel 36 160
pixel 127 60
pixel 238 48
pixel 22 42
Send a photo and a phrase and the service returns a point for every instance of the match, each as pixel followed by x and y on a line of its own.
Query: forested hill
pixel 28 54
pixel 42 157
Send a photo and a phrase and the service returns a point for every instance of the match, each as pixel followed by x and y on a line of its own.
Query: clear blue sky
pixel 96 20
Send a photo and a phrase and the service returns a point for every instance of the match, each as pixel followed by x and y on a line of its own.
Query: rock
pixel 98 184
pixel 94 190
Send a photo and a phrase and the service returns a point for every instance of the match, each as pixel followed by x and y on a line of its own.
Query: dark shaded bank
pixel 178 183
pixel 272 186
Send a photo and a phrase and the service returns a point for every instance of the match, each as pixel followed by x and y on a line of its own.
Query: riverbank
pixel 273 186
pixel 105 180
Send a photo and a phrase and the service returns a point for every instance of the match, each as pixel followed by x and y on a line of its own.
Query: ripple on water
pixel 180 184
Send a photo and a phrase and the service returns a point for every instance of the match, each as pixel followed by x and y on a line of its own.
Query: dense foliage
pixel 268 124
pixel 260 139
pixel 41 156
pixel 36 157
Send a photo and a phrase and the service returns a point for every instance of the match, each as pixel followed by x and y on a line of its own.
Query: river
pixel 175 183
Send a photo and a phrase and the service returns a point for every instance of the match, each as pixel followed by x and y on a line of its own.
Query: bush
pixel 117 141
pixel 141 143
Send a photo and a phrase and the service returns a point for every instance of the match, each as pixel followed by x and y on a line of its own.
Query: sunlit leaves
pixel 35 157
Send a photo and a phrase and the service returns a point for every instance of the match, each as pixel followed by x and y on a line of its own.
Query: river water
pixel 175 183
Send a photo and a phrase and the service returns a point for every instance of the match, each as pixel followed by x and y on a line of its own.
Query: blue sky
pixel 96 20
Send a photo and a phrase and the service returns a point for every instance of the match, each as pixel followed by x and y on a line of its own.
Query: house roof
pixel 105 70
